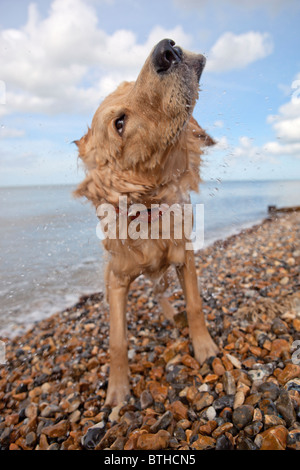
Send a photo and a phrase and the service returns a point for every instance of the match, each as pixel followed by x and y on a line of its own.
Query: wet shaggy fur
pixel 144 143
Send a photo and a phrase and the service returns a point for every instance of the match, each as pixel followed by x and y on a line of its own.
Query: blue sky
pixel 59 59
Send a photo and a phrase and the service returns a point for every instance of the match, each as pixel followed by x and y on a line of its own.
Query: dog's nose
pixel 165 55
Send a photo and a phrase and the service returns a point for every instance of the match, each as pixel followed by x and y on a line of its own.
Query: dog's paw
pixel 117 394
pixel 204 349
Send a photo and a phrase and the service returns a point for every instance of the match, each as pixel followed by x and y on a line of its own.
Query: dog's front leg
pixel 203 345
pixel 118 383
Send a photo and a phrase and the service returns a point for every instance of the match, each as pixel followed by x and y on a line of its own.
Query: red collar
pixel 149 215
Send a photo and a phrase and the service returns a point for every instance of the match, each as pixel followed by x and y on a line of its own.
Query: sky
pixel 60 58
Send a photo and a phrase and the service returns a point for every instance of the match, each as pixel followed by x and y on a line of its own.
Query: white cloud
pixel 247 150
pixel 9 132
pixel 66 63
pixel 221 144
pixel 237 51
pixel 286 127
pixel 270 151
pixel 278 149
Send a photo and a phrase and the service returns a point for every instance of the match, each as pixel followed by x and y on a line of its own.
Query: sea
pixel 50 254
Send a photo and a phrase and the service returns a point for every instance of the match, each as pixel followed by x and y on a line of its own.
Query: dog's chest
pixel 149 257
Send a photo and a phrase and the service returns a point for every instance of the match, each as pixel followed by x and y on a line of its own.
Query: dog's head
pixel 140 121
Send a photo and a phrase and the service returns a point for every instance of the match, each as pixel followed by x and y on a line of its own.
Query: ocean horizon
pixel 51 256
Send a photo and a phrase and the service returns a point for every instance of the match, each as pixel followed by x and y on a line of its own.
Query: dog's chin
pixel 198 66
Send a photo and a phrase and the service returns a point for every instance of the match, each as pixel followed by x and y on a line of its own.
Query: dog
pixel 145 144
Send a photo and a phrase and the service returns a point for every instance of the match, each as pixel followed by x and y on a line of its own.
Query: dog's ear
pixel 86 150
pixel 205 139
pixel 82 143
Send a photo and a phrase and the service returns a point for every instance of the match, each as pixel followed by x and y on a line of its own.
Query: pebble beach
pixel 54 381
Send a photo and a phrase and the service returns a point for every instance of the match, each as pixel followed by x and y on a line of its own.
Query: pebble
pixel 224 401
pixel 56 430
pixel 285 407
pixel 242 416
pixel 203 443
pixel 156 441
pixel 211 413
pixel 234 361
pixel 224 443
pixel 163 422
pixel 269 390
pixel 238 400
pixel 203 400
pixel 291 371
pixel 54 384
pixel 50 411
pixel 274 438
pixel 278 326
pixel 146 399
pixel 229 383
pixel 93 436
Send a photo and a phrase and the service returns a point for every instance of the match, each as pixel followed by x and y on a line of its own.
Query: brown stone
pixel 273 420
pixel 57 430
pixel 43 444
pixel 30 425
pixel 191 393
pixel 279 346
pixel 291 371
pixel 222 429
pixel 274 438
pixel 179 410
pixel 19 396
pixel 249 362
pixel 12 419
pixel 92 363
pixel 14 447
pixel 203 442
pixel 210 378
pixel 208 427
pixel 118 430
pixel 253 399
pixel 204 400
pixel 238 399
pixel 227 363
pixel 218 367
pixel 157 441
pixel 31 411
pixel 21 442
pixel 159 392
pixel 189 361
pixel 131 443
pixel 296 324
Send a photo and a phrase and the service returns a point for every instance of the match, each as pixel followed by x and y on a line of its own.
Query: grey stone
pixel 285 407
pixel 242 416
pixel 163 422
pixel 229 383
pixel 146 399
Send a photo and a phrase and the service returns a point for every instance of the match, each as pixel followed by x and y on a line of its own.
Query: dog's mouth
pixel 166 56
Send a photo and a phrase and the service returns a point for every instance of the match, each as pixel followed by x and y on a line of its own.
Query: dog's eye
pixel 119 123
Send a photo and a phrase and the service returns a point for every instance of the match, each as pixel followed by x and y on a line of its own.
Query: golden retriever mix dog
pixel 144 144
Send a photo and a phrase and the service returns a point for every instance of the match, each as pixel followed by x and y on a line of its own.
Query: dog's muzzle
pixel 166 56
